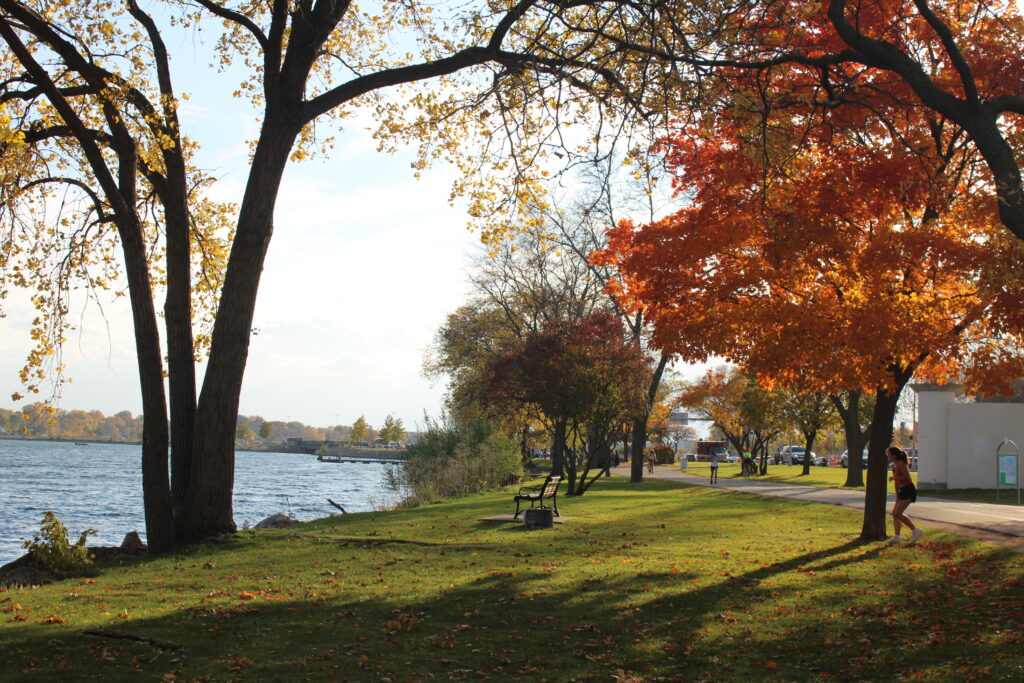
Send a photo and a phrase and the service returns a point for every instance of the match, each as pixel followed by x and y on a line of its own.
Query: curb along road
pixel 999 524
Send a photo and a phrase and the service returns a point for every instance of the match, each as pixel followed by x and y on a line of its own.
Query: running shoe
pixel 915 535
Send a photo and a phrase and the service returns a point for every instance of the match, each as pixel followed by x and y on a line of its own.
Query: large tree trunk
pixel 855 436
pixel 558 449
pixel 156 493
pixel 808 444
pixel 208 504
pixel 877 479
pixel 639 441
pixel 180 342
pixel 855 442
pixel 524 450
pixel 636 472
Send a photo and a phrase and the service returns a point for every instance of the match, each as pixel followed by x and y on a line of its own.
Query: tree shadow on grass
pixel 509 604
pixel 520 620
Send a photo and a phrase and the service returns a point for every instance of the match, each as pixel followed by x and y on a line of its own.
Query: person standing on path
pixel 714 468
pixel 748 464
pixel 906 493
pixel 650 461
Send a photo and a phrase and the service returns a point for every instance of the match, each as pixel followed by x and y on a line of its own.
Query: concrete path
pixel 999 524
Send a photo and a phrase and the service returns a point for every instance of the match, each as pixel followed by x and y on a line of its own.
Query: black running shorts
pixel 908 492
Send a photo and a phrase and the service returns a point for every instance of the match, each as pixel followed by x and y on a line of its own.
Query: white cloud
pixel 360 273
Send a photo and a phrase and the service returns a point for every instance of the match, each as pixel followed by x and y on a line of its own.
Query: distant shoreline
pixel 384 454
pixel 22 437
pixel 19 437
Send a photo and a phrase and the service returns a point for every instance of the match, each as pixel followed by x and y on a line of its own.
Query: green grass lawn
pixel 831 477
pixel 835 477
pixel 1006 496
pixel 652 581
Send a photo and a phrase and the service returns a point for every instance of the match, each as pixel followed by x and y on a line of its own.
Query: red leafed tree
pixel 585 376
pixel 837 247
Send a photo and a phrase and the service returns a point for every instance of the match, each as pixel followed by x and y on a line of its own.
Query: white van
pixel 794 455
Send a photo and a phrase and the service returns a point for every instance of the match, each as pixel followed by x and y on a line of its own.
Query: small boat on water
pixel 81 443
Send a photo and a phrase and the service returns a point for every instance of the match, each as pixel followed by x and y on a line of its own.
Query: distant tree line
pixel 40 420
pixel 253 426
pixel 36 419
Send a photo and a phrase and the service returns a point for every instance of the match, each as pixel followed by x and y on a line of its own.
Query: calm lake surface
pixel 99 486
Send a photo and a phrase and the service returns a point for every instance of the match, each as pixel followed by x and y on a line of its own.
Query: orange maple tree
pixel 830 244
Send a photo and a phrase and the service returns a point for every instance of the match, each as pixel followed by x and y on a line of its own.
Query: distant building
pixel 700 424
pixel 957 438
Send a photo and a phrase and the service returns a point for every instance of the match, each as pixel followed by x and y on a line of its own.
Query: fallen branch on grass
pixel 353 539
pixel 162 644
pixel 343 510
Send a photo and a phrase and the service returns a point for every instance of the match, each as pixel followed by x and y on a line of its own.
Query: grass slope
pixel 656 581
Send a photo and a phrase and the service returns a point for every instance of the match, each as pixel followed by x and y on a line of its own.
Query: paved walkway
pixel 999 524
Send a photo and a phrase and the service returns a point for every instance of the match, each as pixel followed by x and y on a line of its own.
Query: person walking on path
pixel 906 493
pixel 650 461
pixel 714 468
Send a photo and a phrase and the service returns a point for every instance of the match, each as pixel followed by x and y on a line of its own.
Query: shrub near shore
pixel 456 456
pixel 645 582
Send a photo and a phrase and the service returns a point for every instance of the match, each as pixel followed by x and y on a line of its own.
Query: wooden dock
pixel 360 460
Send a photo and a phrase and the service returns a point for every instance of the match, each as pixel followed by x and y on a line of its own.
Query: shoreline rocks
pixel 26 571
pixel 278 520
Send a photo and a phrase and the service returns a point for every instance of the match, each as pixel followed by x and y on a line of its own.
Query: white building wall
pixel 933 407
pixel 974 432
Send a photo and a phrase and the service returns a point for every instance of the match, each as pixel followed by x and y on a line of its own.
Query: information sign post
pixel 1007 464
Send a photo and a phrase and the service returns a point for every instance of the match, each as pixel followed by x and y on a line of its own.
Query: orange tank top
pixel 901 474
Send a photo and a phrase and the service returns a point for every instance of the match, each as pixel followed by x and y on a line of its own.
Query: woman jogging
pixel 906 493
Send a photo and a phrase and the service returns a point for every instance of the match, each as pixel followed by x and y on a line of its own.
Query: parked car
pixel 732 457
pixel 844 459
pixel 794 455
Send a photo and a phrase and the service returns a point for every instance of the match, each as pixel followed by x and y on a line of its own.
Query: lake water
pixel 99 486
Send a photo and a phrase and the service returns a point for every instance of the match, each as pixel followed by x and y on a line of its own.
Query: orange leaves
pixel 403 623
pixel 825 247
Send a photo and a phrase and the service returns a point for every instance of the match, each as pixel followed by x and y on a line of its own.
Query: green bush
pixel 456 457
pixel 51 548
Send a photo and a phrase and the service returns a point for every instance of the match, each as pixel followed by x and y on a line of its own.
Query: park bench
pixel 538 494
